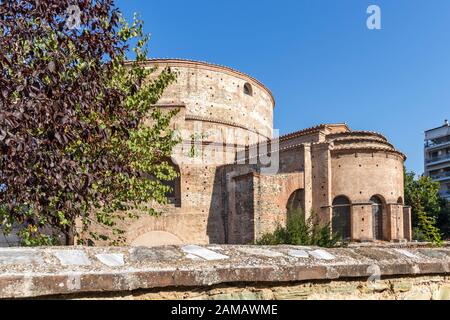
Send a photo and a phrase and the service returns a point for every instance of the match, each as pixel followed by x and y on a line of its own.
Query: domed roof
pixel 360 141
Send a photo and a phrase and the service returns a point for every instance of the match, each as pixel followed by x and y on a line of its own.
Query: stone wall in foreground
pixel 227 272
pixel 405 288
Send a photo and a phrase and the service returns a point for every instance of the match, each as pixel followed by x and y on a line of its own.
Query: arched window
pixel 400 201
pixel 377 217
pixel 248 90
pixel 341 220
pixel 296 202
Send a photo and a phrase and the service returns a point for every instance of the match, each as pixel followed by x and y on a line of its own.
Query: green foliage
pixel 31 237
pixel 196 138
pixel 422 195
pixel 301 231
pixel 80 137
pixel 443 221
pixel 144 148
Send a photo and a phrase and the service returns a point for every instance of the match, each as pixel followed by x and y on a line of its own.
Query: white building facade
pixel 437 157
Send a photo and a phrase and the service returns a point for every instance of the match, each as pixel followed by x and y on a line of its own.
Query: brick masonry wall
pixel 321 180
pixel 271 195
pixel 226 203
pixel 214 110
pixel 292 160
pixel 360 176
pixel 218 93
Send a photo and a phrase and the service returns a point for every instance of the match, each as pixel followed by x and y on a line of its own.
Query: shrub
pixel 301 231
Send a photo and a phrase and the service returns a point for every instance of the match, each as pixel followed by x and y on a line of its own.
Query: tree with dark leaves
pixel 74 146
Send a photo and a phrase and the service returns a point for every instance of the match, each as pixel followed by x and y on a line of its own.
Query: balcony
pixel 446 195
pixel 434 145
pixel 441 176
pixel 443 158
pixel 437 142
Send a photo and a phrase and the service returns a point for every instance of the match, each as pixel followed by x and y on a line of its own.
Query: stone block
pixel 19 256
pixel 401 286
pixel 322 255
pixel 204 253
pixel 418 295
pixel 442 294
pixel 260 252
pixel 112 259
pixel 144 254
pixel 72 258
pixel 298 254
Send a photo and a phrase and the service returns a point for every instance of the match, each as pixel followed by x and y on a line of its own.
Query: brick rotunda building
pixel 236 182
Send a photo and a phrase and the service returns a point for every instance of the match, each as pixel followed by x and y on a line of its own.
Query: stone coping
pixel 27 273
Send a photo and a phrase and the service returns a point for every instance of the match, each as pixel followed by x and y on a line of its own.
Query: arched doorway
pixel 296 202
pixel 341 220
pixel 377 217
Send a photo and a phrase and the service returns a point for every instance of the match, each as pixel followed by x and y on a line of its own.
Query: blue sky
pixel 320 60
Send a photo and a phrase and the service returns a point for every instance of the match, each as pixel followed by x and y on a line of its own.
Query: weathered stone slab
pixel 303 248
pixel 261 252
pixel 406 253
pixel 443 293
pixel 55 271
pixel 204 253
pixel 419 294
pixel 322 255
pixel 431 253
pixel 142 254
pixel 446 252
pixel 193 257
pixel 19 256
pixel 215 248
pixel 298 254
pixel 72 258
pixel 401 286
pixel 111 259
pixel 375 253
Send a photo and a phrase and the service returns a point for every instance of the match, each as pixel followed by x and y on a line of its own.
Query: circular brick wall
pixel 221 99
pixel 364 165
pixel 225 106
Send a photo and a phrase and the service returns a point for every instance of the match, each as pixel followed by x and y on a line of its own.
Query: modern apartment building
pixel 437 157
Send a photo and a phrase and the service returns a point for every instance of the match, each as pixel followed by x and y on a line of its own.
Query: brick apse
pixel 236 182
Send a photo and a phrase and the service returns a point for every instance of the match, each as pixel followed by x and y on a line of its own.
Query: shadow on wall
pixel 231 217
pixel 217 224
pixel 9 241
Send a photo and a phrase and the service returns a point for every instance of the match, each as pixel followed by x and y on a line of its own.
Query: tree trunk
pixel 70 236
